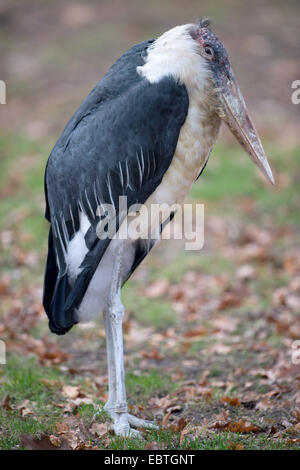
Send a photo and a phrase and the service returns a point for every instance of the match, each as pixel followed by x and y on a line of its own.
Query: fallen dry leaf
pixel 56 441
pixel 252 251
pixel 203 378
pixel 70 391
pixel 154 354
pixel 183 434
pixel 235 446
pixel 51 383
pixel 152 446
pixel 62 428
pixel 195 332
pixel 23 409
pixel 5 285
pixel 44 443
pixel 240 426
pixel 230 299
pixel 99 429
pixel 165 419
pixel 294 441
pixel 231 401
pixel 6 403
pixel 179 425
pixel 296 414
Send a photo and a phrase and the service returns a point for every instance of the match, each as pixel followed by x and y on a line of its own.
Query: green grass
pixel 13 426
pixel 22 380
pixel 197 346
pixel 91 412
pixel 140 388
pixel 183 261
pixel 169 440
pixel 155 312
pixel 22 168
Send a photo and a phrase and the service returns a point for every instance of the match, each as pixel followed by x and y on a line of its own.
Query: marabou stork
pixel 145 132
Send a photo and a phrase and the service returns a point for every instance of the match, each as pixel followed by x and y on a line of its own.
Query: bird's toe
pixel 141 423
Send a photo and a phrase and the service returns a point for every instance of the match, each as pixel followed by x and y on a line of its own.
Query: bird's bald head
pixel 230 103
pixel 210 46
pixel 196 58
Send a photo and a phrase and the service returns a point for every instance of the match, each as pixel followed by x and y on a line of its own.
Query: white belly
pixel 196 139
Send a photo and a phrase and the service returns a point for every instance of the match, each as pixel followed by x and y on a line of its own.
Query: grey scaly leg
pixel 117 404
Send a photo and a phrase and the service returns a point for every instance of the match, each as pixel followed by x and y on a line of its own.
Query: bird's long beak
pixel 237 117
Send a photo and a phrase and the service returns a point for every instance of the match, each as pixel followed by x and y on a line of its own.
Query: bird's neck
pixel 175 54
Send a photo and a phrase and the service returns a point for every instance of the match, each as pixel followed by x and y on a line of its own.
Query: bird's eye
pixel 209 51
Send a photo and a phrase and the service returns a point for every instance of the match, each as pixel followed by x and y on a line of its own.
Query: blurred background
pixel 220 324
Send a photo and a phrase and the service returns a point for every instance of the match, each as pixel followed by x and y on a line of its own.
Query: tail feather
pixel 56 291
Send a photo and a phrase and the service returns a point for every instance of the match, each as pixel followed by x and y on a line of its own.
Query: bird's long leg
pixel 117 404
pixel 110 404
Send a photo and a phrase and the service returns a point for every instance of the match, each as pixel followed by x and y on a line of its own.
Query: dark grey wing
pixel 122 146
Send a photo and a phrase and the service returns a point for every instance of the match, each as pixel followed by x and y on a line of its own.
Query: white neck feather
pixel 176 54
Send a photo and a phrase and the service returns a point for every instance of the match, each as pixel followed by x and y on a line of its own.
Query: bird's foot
pixel 122 423
pixel 124 430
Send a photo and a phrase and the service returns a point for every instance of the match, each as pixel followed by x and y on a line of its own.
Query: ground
pixel 210 336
